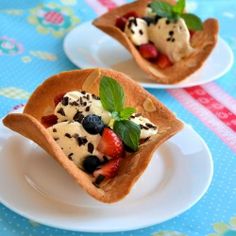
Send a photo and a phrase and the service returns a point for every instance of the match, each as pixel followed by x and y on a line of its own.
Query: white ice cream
pixel 77 104
pixel 75 142
pixel 136 30
pixel 171 38
pixel 147 127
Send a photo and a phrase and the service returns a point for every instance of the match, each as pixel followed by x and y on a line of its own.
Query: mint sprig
pixel 112 99
pixel 173 13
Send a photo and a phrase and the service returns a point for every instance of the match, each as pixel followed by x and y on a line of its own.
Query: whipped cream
pixel 171 38
pixel 75 105
pixel 136 30
pixel 147 127
pixel 75 142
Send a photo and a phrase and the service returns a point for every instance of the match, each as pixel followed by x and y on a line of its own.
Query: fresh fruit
pixel 108 170
pixel 121 21
pixel 91 163
pixel 58 98
pixel 163 61
pixel 49 120
pixel 148 51
pixel 93 124
pixel 110 144
pixel 191 33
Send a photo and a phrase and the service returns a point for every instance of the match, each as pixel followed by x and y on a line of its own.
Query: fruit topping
pixel 91 163
pixel 58 98
pixel 107 171
pixel 93 124
pixel 110 144
pixel 163 61
pixel 49 120
pixel 148 51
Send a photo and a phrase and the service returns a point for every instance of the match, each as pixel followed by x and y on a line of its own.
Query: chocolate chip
pixel 65 101
pixel 171 32
pixel 140 32
pixel 132 31
pixel 98 180
pixel 68 135
pixel 167 22
pixel 61 111
pixel 85 104
pixel 87 109
pixel 81 101
pixel 168 39
pixel 143 127
pixel 70 156
pixel 81 140
pixel 74 103
pixel 90 147
pixel 95 97
pixel 56 139
pixel 78 116
pixel 83 92
pixel 150 126
pixel 54 130
pixel 173 40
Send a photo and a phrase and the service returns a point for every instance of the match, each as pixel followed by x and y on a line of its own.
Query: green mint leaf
pixel 179 7
pixel 162 9
pixel 111 94
pixel 129 132
pixel 126 113
pixel 192 21
pixel 115 115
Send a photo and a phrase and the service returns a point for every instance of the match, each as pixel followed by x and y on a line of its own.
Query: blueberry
pixel 91 163
pixel 93 124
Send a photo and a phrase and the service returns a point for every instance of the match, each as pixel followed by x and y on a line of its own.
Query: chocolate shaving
pixel 68 135
pixel 90 147
pixel 81 140
pixel 78 116
pixel 65 101
pixel 61 111
pixel 70 156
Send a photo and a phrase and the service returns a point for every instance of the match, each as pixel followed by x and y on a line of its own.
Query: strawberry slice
pixel 121 21
pixel 58 98
pixel 148 51
pixel 163 61
pixel 107 171
pixel 49 120
pixel 110 144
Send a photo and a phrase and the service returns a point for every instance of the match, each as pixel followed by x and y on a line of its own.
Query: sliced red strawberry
pixel 163 61
pixel 107 171
pixel 121 21
pixel 191 33
pixel 58 98
pixel 49 120
pixel 148 51
pixel 110 144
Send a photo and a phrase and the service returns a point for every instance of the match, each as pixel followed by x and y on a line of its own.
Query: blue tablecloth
pixel 31 37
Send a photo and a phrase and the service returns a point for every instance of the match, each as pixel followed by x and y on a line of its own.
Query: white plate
pixel 33 185
pixel 86 46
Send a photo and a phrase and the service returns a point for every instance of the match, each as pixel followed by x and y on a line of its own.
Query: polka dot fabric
pixel 31 37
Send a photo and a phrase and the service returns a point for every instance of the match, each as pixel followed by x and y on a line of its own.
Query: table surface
pixel 31 50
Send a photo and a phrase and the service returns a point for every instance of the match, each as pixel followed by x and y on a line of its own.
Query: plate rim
pixel 127 228
pixel 156 85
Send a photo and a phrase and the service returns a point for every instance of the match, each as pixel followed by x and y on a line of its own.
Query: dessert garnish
pixel 97 132
pixel 162 35
pixel 168 43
